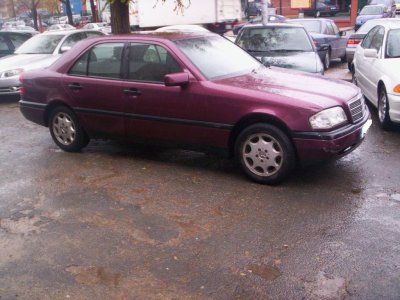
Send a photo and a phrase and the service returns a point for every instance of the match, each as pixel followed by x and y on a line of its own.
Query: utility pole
pixel 265 11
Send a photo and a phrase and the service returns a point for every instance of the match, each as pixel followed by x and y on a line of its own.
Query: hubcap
pixel 262 154
pixel 382 108
pixel 64 128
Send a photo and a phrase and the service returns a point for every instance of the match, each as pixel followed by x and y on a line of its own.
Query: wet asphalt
pixel 123 221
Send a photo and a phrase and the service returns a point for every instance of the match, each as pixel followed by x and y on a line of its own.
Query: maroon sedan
pixel 195 90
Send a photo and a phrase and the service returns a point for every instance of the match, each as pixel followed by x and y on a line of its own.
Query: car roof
pixel 270 24
pixel 386 22
pixel 164 35
pixel 374 5
pixel 310 19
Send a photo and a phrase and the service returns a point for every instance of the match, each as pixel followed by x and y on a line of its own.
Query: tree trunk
pixel 94 11
pixel 34 15
pixel 69 12
pixel 120 17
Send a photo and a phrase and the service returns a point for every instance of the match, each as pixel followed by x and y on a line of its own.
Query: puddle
pixel 266 272
pixel 91 275
pixel 327 287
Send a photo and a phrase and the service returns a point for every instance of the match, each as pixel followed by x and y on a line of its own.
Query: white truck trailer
pixel 156 13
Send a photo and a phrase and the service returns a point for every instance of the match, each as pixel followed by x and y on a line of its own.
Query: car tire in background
pixel 66 131
pixel 265 153
pixel 383 110
pixel 327 60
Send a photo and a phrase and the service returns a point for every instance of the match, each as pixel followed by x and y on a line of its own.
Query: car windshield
pixel 216 57
pixel 310 26
pixel 40 44
pixel 371 10
pixel 275 39
pixel 393 44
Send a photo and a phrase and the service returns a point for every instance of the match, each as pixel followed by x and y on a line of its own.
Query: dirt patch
pixel 266 272
pixel 91 275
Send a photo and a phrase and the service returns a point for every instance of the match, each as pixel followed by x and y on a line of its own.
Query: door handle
pixel 75 86
pixel 132 92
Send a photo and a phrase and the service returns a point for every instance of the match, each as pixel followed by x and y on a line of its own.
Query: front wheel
pixel 265 153
pixel 383 110
pixel 66 130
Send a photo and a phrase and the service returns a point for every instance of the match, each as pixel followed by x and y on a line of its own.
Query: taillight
pixel 353 42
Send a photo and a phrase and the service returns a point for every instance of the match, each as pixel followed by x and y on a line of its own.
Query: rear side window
pixel 3 44
pixel 18 39
pixel 103 60
pixel 150 63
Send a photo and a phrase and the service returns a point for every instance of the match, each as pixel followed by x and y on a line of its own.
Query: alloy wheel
pixel 64 128
pixel 382 108
pixel 262 154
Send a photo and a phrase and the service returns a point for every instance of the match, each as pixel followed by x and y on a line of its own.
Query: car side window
pixel 102 60
pixel 329 29
pixel 3 45
pixel 335 28
pixel 366 43
pixel 377 40
pixel 18 39
pixel 150 63
pixel 73 39
pixel 105 60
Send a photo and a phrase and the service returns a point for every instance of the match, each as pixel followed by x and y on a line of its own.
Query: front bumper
pixel 317 146
pixel 394 105
pixel 10 86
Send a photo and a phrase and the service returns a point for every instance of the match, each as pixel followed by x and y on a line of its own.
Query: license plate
pixel 365 128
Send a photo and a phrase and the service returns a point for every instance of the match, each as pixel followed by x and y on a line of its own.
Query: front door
pixel 95 88
pixel 155 111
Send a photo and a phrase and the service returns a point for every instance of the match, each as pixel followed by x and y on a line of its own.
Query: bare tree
pixel 68 10
pixel 31 6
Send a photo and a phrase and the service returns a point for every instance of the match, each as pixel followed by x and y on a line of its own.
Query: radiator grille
pixel 357 109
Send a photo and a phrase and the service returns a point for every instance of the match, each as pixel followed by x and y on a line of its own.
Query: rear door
pixel 94 87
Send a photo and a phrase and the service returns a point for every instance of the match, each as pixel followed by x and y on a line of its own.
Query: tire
pixel 383 110
pixel 353 77
pixel 317 14
pixel 343 59
pixel 260 142
pixel 66 131
pixel 327 60
pixel 350 67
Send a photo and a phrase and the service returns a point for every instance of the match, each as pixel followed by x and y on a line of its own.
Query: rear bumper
pixel 318 146
pixel 33 111
pixel 394 104
pixel 9 86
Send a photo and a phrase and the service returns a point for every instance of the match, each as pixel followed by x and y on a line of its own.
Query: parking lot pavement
pixel 125 221
pixel 338 70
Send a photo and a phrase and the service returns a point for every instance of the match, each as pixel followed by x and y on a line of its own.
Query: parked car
pixel 281 45
pixel 328 39
pixel 61 27
pixel 322 8
pixel 11 40
pixel 38 52
pixel 390 5
pixel 370 12
pixel 359 35
pixel 258 20
pixel 102 27
pixel 199 90
pixel 376 71
pixel 397 6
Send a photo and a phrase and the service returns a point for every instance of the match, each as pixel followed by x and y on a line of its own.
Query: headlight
pixel 11 73
pixel 328 118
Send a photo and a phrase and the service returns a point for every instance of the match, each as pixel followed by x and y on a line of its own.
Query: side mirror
pixel 176 79
pixel 342 33
pixel 65 49
pixel 370 53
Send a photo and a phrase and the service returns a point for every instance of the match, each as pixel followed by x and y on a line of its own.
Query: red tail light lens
pixel 353 42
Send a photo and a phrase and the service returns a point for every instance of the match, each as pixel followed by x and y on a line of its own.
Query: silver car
pixel 38 52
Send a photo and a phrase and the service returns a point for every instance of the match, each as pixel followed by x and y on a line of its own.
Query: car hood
pixel 364 18
pixel 27 61
pixel 304 89
pixel 302 61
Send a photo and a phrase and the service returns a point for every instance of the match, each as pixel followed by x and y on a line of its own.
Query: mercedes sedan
pixel 195 90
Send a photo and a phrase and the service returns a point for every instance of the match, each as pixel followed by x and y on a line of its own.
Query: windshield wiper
pixel 289 50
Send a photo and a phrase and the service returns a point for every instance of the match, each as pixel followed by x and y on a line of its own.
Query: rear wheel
pixel 66 130
pixel 265 153
pixel 383 110
pixel 327 60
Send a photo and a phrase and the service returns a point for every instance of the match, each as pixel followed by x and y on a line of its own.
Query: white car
pixel 61 27
pixel 377 70
pixel 182 28
pixel 102 27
